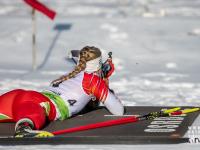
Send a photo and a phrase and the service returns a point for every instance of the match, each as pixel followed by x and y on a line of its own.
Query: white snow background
pixel 155 45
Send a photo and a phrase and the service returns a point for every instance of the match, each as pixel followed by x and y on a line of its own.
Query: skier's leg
pixel 27 105
pixel 29 114
pixel 6 103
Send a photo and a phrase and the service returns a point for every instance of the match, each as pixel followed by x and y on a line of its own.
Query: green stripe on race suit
pixel 64 111
pixel 3 117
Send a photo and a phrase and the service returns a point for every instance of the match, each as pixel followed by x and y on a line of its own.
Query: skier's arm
pixel 100 90
pixel 93 104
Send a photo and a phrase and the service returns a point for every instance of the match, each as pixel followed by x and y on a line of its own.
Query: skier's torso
pixel 72 93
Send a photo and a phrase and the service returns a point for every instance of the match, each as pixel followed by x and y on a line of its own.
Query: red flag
pixel 42 8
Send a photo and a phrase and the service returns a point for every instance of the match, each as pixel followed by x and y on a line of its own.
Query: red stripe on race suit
pixel 93 84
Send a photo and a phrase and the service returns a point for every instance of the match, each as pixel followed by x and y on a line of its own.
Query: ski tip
pixel 190 110
pixel 171 110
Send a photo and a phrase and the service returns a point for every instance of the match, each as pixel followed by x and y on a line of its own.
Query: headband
pixel 93 65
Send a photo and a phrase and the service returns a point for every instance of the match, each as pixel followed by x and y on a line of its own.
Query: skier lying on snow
pixel 65 97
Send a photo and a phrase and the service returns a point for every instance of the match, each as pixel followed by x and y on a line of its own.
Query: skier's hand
pixel 93 104
pixel 112 91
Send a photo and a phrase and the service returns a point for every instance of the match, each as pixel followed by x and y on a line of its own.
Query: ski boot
pixel 24 131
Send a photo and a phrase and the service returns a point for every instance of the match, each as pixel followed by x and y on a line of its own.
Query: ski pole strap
pixel 64 111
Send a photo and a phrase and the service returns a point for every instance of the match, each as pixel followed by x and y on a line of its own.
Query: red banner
pixel 41 7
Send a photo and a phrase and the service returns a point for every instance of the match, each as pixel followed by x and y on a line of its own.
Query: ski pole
pixel 113 122
pixel 122 121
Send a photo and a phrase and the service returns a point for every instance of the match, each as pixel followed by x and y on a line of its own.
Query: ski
pixel 170 114
pixel 153 115
pixel 160 112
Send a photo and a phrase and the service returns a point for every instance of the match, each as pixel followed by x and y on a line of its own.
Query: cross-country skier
pixel 65 97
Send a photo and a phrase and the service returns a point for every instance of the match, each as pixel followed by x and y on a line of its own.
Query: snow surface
pixel 105 147
pixel 155 45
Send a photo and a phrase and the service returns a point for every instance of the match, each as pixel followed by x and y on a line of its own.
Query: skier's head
pixel 89 60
